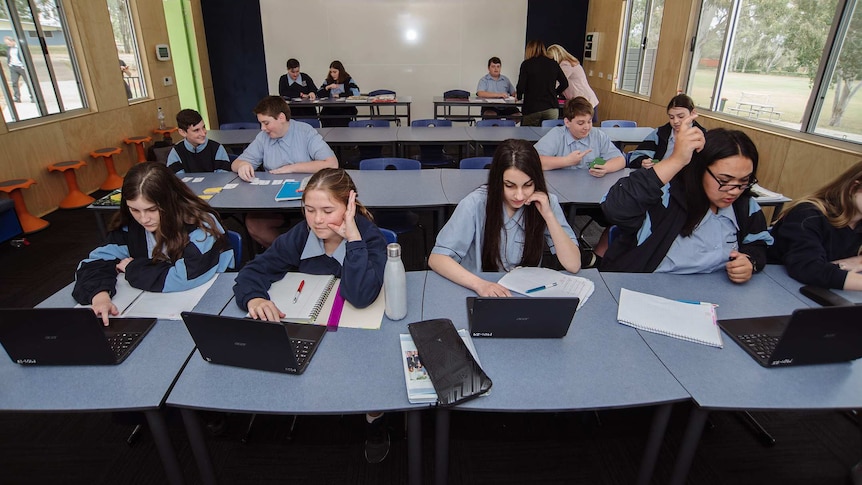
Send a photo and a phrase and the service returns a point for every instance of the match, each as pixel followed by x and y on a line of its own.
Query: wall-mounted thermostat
pixel 591 47
pixel 163 52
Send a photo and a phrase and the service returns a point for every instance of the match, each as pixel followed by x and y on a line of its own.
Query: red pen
pixel 298 291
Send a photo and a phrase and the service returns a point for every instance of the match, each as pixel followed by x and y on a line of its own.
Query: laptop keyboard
pixel 762 344
pixel 302 349
pixel 121 342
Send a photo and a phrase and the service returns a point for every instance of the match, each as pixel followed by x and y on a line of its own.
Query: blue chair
pixel 389 235
pixel 433 156
pixel 473 163
pixel 552 123
pixel 619 124
pixel 314 122
pixel 495 123
pixel 235 239
pixel 242 125
pixel 390 164
pixel 375 109
pixel 369 151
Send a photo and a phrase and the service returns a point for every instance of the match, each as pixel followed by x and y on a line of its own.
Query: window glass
pixel 840 115
pixel 127 49
pixel 643 27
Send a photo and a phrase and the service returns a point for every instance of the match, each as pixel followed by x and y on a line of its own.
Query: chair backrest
pixel 619 124
pixel 389 235
pixel 613 233
pixel 495 123
pixel 161 153
pixel 456 94
pixel 430 123
pixel 235 239
pixel 475 163
pixel 378 92
pixel 242 125
pixel 311 121
pixel 551 123
pixel 369 124
pixel 390 164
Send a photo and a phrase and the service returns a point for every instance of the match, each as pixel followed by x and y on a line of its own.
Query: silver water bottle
pixel 395 283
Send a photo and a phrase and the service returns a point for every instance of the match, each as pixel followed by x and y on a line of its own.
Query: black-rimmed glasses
pixel 726 187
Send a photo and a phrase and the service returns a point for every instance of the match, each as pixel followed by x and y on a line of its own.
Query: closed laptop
pixel 520 317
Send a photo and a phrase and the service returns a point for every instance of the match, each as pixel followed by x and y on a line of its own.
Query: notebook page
pixel 522 279
pixel 124 296
pixel 167 306
pixel 282 292
pixel 695 322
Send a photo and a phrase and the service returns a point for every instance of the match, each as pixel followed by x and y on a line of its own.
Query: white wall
pixel 454 39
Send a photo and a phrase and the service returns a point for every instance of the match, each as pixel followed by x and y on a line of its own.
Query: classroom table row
pixel 396 109
pixel 600 364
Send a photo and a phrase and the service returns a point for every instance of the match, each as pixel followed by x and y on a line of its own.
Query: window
pixel 790 63
pixel 39 73
pixel 127 49
pixel 640 43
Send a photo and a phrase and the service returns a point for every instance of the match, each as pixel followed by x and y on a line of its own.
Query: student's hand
pixel 488 288
pixel 577 156
pixel 103 306
pixel 303 95
pixel 332 86
pixel 347 229
pixel 245 171
pixel 263 309
pixel 647 163
pixel 283 169
pixel 851 265
pixel 599 170
pixel 739 268
pixel 312 96
pixel 121 266
pixel 689 140
pixel 541 202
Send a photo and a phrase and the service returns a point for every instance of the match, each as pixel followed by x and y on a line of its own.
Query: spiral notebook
pixel 693 321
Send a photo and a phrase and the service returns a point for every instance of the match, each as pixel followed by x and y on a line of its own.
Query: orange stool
pixel 139 145
pixel 166 132
pixel 75 198
pixel 29 222
pixel 112 181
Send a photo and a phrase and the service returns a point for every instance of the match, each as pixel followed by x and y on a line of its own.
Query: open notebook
pixel 132 302
pixel 692 321
pixel 547 283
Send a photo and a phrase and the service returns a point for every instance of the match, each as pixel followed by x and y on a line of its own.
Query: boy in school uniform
pixel 496 85
pixel 296 84
pixel 281 147
pixel 576 145
pixel 196 153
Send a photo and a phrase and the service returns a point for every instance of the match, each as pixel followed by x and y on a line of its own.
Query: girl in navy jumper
pixel 335 240
pixel 164 238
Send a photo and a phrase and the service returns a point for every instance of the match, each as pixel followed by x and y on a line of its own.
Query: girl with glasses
pixel 693 212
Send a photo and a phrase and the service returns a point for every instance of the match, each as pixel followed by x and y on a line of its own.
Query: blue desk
pixel 584 374
pixel 779 274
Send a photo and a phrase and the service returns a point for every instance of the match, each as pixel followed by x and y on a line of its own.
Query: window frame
pixel 649 6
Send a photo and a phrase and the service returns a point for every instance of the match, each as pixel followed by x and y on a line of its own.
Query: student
pixel 17 70
pixel 576 144
pixel 495 85
pixel 540 83
pixel 338 238
pixel 691 213
pixel 164 238
pixel 660 142
pixel 819 237
pixel 578 83
pixel 504 224
pixel 338 84
pixel 281 147
pixel 196 153
pixel 297 84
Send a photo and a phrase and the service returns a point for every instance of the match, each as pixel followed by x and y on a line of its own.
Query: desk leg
pixel 100 224
pixel 414 447
pixel 199 447
pixel 163 444
pixel 441 446
pixel 656 435
pixel 690 439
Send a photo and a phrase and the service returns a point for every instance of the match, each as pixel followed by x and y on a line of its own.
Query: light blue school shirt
pixel 707 249
pixel 559 142
pixel 461 237
pixel 173 157
pixel 501 85
pixel 301 143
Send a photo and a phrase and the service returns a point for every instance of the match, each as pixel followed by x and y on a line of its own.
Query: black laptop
pixel 254 344
pixel 68 336
pixel 808 336
pixel 520 317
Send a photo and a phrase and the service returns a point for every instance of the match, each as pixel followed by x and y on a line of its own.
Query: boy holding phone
pixel 577 145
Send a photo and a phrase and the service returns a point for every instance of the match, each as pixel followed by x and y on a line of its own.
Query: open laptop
pixel 68 336
pixel 254 344
pixel 520 317
pixel 808 336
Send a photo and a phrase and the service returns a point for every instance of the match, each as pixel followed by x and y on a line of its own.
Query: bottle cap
pixel 393 250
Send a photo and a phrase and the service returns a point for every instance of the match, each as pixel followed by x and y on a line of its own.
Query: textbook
pixel 765 195
pixel 133 302
pixel 318 302
pixel 420 389
pixel 547 283
pixel 291 189
pixel 693 321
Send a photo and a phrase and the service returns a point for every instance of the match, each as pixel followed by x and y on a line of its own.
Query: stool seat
pixel 139 145
pixel 29 222
pixel 112 181
pixel 75 198
pixel 166 132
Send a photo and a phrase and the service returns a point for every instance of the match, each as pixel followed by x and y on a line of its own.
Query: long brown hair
pixel 178 207
pixel 521 155
pixel 535 48
pixel 836 199
pixel 338 184
pixel 343 76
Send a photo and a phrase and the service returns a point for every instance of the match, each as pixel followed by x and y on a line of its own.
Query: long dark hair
pixel 343 76
pixel 521 155
pixel 178 207
pixel 720 143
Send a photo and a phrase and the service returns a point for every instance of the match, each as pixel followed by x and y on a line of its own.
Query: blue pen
pixel 692 302
pixel 540 288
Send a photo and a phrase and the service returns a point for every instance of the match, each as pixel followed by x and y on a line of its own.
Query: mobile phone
pixel 823 296
pixel 597 161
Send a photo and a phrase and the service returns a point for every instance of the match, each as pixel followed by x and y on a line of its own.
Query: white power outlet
pixel 591 73
pixel 601 76
pixel 167 80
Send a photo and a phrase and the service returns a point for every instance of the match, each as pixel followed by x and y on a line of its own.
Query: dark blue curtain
pixel 558 22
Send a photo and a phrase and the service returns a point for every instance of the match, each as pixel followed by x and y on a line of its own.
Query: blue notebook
pixel 291 190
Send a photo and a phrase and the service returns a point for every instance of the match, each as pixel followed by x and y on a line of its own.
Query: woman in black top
pixel 540 83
